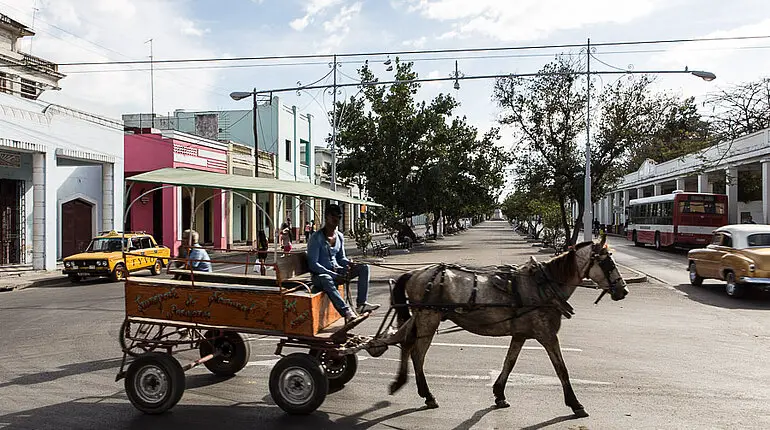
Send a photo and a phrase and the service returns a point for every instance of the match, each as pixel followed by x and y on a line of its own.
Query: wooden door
pixel 76 227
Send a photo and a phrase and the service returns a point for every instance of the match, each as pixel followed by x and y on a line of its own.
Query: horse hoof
pixel 502 403
pixel 431 404
pixel 580 413
pixel 396 385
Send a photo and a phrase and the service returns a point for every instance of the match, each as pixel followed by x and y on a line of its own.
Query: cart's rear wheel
pixel 340 369
pixel 154 382
pixel 235 352
pixel 298 383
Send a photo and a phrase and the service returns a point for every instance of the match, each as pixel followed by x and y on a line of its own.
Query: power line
pixel 411 52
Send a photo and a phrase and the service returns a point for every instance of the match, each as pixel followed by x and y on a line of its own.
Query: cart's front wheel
pixel 154 382
pixel 340 369
pixel 298 383
pixel 234 352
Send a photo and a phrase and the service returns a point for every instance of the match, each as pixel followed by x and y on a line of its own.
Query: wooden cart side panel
pixel 307 314
pixel 253 309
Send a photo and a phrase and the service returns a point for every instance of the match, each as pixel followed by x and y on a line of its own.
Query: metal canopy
pixel 197 178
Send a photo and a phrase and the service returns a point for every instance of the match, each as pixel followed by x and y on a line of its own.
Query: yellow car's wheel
pixel 120 273
pixel 157 267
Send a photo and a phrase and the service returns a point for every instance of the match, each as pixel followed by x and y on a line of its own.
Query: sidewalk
pixel 35 278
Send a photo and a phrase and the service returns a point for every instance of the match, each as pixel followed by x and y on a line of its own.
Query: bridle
pixel 607 266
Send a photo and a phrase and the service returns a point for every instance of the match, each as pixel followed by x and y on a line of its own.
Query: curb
pixel 46 282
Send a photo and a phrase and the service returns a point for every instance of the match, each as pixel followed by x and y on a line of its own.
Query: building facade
pixel 739 168
pixel 61 170
pixel 167 212
pixel 285 138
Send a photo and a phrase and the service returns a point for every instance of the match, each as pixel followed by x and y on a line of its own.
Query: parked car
pixel 738 254
pixel 104 257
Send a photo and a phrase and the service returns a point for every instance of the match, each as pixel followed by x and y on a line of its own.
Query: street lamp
pixel 240 95
pixel 587 203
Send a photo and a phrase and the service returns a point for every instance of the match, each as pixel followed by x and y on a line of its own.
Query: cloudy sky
pixel 71 31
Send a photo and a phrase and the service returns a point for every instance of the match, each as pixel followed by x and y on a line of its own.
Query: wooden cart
pixel 212 313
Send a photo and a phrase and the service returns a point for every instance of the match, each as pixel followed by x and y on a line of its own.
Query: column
pixel 657 189
pixel 624 205
pixel 108 197
pixel 51 218
pixel 703 183
pixel 220 221
pixel 229 219
pixel 680 184
pixel 640 192
pixel 766 191
pixel 252 215
pixel 38 211
pixel 731 187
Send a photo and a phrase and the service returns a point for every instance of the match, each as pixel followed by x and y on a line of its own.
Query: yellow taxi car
pixel 104 257
pixel 738 254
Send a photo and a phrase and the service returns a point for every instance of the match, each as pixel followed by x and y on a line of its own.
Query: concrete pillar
pixel 253 216
pixel 624 205
pixel 657 189
pixel 221 221
pixel 640 192
pixel 108 197
pixel 731 186
pixel 766 191
pixel 229 219
pixel 51 218
pixel 703 183
pixel 680 184
pixel 38 211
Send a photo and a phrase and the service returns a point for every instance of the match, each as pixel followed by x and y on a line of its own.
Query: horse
pixel 525 302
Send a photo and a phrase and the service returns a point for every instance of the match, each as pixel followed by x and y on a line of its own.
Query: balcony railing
pixel 39 64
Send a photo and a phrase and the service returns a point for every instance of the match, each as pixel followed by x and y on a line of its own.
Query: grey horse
pixel 525 302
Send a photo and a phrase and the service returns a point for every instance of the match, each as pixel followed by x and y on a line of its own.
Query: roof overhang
pixel 197 178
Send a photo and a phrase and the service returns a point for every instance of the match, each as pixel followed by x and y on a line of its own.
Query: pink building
pixel 166 213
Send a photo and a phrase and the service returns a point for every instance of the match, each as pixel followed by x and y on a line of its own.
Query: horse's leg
pixel 426 328
pixel 551 345
pixel 407 344
pixel 510 360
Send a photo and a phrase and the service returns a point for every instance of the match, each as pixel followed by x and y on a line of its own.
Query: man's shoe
pixel 367 307
pixel 350 316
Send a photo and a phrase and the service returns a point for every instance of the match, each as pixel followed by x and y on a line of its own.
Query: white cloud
pixel 341 21
pixel 416 43
pixel 312 8
pixel 116 30
pixel 527 19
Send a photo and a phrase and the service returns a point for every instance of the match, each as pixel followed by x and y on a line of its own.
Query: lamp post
pixel 587 203
pixel 240 95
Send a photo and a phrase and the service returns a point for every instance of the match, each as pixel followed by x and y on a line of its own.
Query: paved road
pixel 666 357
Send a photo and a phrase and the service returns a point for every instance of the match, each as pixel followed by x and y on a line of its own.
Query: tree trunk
pixel 578 223
pixel 564 221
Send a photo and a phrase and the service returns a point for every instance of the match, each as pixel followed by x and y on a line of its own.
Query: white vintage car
pixel 738 254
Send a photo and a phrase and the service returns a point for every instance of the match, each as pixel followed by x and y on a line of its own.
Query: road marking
pixel 477 345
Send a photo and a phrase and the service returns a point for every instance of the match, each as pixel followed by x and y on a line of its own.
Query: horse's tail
pixel 399 299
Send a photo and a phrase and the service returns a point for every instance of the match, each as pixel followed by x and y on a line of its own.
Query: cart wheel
pixel 235 352
pixel 340 369
pixel 154 382
pixel 298 383
pixel 148 332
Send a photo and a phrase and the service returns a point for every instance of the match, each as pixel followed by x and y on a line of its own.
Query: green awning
pixel 249 184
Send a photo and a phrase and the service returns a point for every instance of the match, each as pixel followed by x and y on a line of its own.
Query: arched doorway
pixel 76 226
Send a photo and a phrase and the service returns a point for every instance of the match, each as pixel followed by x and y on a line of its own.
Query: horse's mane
pixel 565 264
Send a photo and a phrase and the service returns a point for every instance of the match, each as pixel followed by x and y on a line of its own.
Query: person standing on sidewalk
pixel 330 266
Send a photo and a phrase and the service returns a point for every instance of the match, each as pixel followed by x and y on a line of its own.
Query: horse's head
pixel 602 270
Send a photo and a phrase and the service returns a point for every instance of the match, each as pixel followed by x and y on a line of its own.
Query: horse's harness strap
pixel 475 291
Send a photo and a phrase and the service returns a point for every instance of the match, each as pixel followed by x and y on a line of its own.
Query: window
pixel 147 242
pixel 28 89
pixel 6 83
pixel 288 150
pixel 759 240
pixel 716 239
pixel 727 240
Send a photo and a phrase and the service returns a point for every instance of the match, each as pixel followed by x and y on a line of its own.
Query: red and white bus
pixel 676 219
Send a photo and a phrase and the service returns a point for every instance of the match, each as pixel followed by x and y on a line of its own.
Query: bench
pixel 380 249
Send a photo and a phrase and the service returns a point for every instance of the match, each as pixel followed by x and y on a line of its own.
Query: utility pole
pixel 152 86
pixel 256 141
pixel 334 124
pixel 588 210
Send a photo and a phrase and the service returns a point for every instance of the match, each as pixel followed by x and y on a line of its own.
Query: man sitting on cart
pixel 330 267
pixel 198 259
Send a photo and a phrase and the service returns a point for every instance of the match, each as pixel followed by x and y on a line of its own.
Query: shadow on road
pixel 63 372
pixel 714 295
pixel 115 412
pixel 551 422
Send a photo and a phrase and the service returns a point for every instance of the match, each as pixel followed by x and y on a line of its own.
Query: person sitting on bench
pixel 330 267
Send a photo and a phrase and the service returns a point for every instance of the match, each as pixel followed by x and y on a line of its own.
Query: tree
pixel 741 109
pixel 547 113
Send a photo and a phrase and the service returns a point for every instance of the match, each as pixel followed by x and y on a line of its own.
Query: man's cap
pixel 334 209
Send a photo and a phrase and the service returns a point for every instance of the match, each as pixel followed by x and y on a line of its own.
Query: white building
pixel 723 168
pixel 61 170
